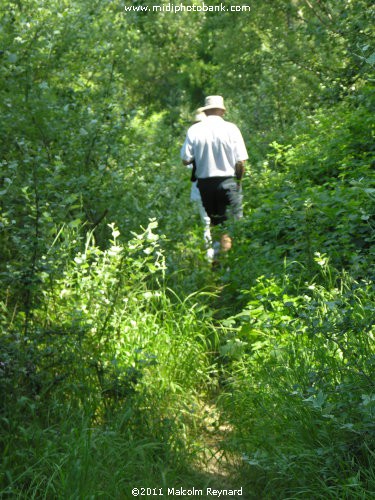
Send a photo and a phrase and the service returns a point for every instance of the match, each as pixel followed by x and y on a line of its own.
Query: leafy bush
pixel 300 388
pixel 108 345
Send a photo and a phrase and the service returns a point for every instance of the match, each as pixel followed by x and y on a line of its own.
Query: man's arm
pixel 186 153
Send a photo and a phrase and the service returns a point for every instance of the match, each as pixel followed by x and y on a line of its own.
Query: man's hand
pixel 239 170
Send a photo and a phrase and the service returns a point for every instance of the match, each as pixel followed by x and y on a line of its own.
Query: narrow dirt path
pixel 219 466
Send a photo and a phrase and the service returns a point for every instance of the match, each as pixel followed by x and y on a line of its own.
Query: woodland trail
pixel 218 466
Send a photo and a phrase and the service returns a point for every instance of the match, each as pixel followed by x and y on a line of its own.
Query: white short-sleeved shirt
pixel 216 145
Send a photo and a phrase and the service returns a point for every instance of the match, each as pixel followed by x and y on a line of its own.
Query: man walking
pixel 195 197
pixel 219 152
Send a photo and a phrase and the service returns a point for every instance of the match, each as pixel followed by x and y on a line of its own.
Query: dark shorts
pixel 218 194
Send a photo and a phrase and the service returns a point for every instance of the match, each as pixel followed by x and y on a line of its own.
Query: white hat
pixel 199 116
pixel 213 102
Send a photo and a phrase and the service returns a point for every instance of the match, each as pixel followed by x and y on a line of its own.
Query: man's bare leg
pixel 225 242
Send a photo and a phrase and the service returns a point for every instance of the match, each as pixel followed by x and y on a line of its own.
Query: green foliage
pixel 298 354
pixel 110 343
pixel 300 397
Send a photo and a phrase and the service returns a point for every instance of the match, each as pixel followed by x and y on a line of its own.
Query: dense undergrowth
pixel 100 384
pixel 113 350
pixel 300 387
